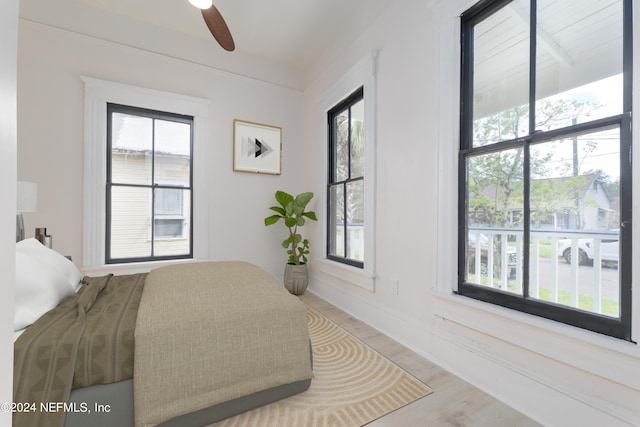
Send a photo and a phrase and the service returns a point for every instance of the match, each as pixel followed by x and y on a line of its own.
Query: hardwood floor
pixel 454 402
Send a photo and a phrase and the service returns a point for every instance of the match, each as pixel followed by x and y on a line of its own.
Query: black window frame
pixel 344 105
pixel 154 115
pixel 615 327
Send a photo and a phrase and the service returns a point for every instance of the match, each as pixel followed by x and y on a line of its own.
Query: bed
pixel 211 340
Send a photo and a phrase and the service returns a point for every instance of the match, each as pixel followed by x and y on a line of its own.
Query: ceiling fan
pixel 215 23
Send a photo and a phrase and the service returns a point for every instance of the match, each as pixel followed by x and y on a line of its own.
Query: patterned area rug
pixel 352 386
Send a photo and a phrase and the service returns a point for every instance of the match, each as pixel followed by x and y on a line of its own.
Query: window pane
pixel 501 75
pixel 130 222
pixel 336 221
pixel 578 62
pixel 131 146
pixel 357 139
pixel 575 216
pixel 500 258
pixel 341 148
pixel 355 220
pixel 579 165
pixel 494 218
pixel 564 270
pixel 495 189
pixel 172 152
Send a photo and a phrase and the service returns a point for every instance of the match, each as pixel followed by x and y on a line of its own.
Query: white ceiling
pixel 291 32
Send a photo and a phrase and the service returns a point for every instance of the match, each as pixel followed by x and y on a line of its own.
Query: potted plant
pixel 292 211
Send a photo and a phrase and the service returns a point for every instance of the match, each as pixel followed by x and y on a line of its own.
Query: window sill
pixel 131 267
pixel 345 273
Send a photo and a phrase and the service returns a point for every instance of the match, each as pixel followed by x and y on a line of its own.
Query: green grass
pixel 544 248
pixel 544 251
pixel 585 302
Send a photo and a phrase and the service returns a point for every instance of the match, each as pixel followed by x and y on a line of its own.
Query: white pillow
pixel 43 279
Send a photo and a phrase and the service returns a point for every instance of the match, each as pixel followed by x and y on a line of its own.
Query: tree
pixel 495 180
pixel 344 169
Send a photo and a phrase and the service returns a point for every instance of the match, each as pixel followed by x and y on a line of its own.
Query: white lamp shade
pixel 27 194
pixel 201 4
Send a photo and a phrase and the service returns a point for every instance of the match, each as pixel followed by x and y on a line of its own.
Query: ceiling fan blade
pixel 217 26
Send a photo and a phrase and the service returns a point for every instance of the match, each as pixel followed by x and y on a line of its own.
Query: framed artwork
pixel 257 147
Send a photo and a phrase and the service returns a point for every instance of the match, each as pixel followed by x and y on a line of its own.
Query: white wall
pixel 50 137
pixel 8 53
pixel 553 373
pixel 405 158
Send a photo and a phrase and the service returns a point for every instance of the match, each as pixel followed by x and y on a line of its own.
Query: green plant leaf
pixel 310 215
pixel 290 222
pixel 283 198
pixel 278 209
pixel 300 221
pixel 303 199
pixel 288 209
pixel 271 219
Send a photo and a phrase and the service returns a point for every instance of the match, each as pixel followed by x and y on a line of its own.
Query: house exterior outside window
pixel 170 221
pixel 544 162
pixel 345 188
pixel 149 190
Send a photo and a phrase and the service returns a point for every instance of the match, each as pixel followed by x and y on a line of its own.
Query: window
pixel 98 95
pixel 544 162
pixel 148 197
pixel 358 82
pixel 345 189
pixel 169 215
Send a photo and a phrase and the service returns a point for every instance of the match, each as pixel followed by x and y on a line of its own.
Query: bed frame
pixel 119 397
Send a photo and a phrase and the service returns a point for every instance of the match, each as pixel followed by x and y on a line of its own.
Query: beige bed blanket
pixel 210 332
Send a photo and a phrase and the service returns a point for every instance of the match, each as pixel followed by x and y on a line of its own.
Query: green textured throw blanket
pixel 87 339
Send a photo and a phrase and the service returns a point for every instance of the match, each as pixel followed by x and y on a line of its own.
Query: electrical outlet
pixel 394 286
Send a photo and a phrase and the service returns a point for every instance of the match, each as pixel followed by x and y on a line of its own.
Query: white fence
pixel 355 241
pixel 574 268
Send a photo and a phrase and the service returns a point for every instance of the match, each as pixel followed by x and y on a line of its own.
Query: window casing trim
pixel 97 94
pixel 362 74
pixel 446 28
pixel 619 328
